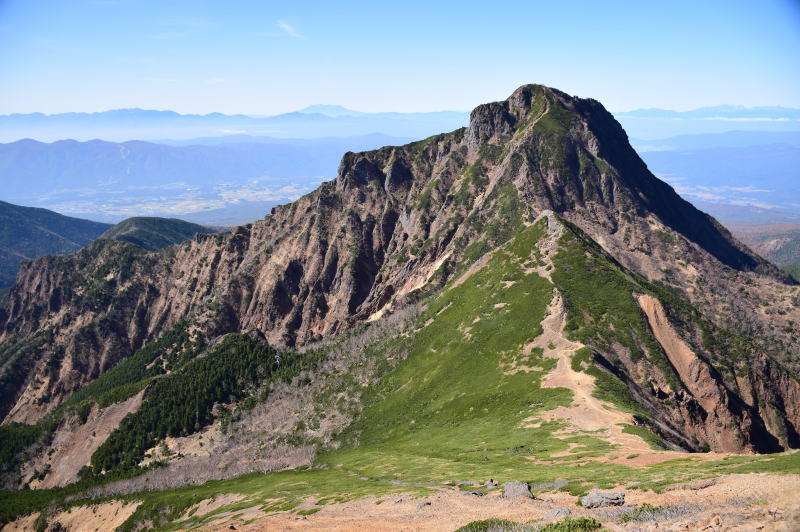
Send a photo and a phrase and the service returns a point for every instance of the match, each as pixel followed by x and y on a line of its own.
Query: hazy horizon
pixel 307 108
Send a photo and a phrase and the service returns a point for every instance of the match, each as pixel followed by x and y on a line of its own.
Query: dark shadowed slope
pixel 28 232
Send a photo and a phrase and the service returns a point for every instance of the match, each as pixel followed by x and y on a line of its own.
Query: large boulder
pixel 516 489
pixel 599 499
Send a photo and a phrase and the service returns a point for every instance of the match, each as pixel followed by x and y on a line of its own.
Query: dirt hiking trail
pixel 586 413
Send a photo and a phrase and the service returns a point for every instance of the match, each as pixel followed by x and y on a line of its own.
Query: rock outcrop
pixel 599 499
pixel 516 489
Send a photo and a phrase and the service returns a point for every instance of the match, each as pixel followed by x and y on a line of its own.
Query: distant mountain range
pixel 317 121
pixel 737 175
pixel 728 139
pixel 745 176
pixel 729 112
pixel 660 123
pixel 126 124
pixel 228 169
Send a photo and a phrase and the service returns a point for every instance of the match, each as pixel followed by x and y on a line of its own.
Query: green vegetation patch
pixel 488 525
pixel 181 402
pixel 173 349
pixel 168 352
pixel 652 440
pixel 791 269
pixel 14 437
pixel 581 524
pixel 452 405
pixel 599 296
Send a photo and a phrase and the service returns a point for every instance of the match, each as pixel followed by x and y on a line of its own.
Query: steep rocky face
pixel 395 220
pixel 727 418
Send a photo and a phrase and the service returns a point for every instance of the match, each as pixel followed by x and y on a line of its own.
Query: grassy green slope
pixel 154 233
pixel 449 410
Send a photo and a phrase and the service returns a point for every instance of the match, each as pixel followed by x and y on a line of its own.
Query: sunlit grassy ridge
pixel 449 408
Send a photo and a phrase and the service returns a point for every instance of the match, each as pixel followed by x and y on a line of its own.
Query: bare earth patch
pixel 99 517
pixel 679 354
pixel 73 446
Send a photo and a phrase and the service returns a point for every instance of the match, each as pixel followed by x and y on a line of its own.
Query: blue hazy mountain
pixel 226 169
pixel 356 143
pixel 331 110
pixel 313 122
pixel 660 123
pixel 728 139
pixel 337 121
pixel 736 112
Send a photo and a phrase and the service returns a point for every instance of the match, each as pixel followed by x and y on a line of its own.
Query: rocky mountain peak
pixel 396 220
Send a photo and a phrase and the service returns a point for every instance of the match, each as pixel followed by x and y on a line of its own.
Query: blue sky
pixel 269 57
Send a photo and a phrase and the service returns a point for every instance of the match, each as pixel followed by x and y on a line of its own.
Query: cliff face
pixel 395 220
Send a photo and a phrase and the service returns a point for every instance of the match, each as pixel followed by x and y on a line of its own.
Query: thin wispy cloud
pixel 289 29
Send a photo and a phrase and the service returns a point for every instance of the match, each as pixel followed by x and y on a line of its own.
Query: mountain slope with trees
pixel 516 293
pixel 152 233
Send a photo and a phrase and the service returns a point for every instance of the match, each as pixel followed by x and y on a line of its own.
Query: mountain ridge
pixel 152 233
pixel 415 223
pixel 717 111
pixel 29 232
pixel 122 125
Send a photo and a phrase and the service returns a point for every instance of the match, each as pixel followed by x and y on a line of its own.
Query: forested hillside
pixel 153 233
